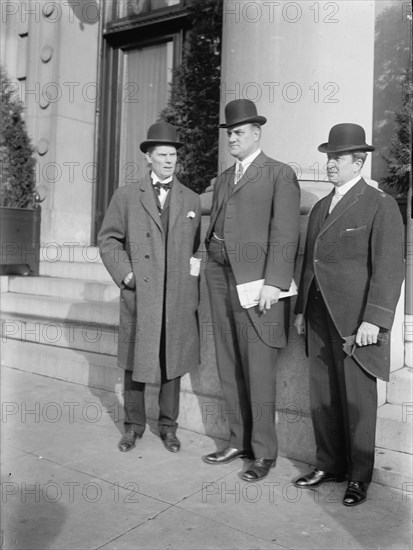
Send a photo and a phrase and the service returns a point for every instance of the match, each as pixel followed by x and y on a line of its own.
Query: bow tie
pixel 158 186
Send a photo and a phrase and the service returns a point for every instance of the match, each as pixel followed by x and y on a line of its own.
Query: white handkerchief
pixel 248 293
pixel 194 266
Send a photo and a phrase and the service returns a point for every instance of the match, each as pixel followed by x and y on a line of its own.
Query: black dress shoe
pixel 127 443
pixel 258 469
pixel 356 493
pixel 171 442
pixel 226 455
pixel 316 478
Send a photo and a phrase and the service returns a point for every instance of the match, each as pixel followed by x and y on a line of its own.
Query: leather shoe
pixel 356 493
pixel 316 478
pixel 171 442
pixel 127 443
pixel 258 469
pixel 226 455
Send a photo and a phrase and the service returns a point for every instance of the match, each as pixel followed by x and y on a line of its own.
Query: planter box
pixel 20 241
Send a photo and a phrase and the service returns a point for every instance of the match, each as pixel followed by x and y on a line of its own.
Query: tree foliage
pixel 17 161
pixel 392 98
pixel 193 106
pixel 399 161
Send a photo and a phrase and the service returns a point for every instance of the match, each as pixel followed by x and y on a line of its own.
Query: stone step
pixel 400 386
pixel 394 469
pixel 70 334
pixel 89 369
pixel 90 271
pixel 394 428
pixel 49 307
pixel 70 252
pixel 75 289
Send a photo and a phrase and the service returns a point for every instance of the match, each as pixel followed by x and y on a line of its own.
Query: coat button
pixel 316 260
pixel 146 279
pixel 147 256
pixel 148 234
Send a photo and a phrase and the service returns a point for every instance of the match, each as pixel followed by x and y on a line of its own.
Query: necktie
pixel 334 201
pixel 158 186
pixel 238 174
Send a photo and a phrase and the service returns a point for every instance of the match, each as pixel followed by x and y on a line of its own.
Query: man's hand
pixel 129 280
pixel 367 334
pixel 269 295
pixel 299 323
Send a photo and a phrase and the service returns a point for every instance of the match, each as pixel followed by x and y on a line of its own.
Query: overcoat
pixel 261 232
pixel 356 255
pixel 132 239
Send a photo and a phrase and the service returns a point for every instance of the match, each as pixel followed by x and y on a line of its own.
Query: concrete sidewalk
pixel 66 486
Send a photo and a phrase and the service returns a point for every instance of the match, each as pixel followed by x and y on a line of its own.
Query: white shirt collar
pixel 248 160
pixel 345 188
pixel 155 179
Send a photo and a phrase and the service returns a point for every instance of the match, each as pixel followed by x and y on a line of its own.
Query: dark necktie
pixel 158 185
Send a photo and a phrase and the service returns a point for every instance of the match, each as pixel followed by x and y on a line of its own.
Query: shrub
pixel 195 94
pixel 17 161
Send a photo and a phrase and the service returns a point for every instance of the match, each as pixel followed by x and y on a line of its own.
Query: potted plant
pixel 19 201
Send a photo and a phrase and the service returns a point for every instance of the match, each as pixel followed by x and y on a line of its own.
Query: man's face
pixel 341 168
pixel 162 160
pixel 243 140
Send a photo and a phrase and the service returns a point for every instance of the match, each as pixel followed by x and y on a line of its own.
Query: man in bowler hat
pixel 350 284
pixel 147 241
pixel 253 236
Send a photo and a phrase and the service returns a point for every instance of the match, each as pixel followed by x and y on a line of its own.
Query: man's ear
pixel 359 163
pixel 148 158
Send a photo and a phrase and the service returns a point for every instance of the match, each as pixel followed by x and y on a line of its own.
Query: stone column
pixel 307 65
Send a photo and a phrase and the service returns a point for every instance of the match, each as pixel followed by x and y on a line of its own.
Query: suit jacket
pixel 132 239
pixel 356 256
pixel 261 232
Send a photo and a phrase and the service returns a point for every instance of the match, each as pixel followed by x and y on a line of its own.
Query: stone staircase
pixel 63 324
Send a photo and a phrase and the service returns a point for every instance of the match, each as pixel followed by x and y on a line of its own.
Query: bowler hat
pixel 241 111
pixel 345 137
pixel 161 133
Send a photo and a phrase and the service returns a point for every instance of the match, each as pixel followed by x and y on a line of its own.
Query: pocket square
pixel 350 229
pixel 191 214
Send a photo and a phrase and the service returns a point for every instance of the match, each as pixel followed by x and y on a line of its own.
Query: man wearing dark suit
pixel 253 235
pixel 147 241
pixel 350 284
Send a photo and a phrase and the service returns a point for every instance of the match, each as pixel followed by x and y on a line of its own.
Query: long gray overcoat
pixel 132 239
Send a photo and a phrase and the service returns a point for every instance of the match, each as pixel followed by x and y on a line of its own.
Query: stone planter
pixel 19 241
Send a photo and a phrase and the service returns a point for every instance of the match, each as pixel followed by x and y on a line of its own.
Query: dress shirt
pixel 162 192
pixel 339 192
pixel 245 164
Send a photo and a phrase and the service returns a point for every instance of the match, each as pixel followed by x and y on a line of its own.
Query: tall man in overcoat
pixel 253 235
pixel 148 238
pixel 350 284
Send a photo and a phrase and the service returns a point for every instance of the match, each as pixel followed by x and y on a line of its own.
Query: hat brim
pixel 144 146
pixel 251 120
pixel 324 148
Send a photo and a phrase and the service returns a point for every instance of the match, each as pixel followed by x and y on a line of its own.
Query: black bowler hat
pixel 345 137
pixel 161 133
pixel 241 111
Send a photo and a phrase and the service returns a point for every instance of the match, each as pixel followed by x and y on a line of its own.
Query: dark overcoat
pixel 132 239
pixel 261 232
pixel 356 256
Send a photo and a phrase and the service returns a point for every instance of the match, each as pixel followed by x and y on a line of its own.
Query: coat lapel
pixel 250 173
pixel 148 200
pixel 350 199
pixel 175 203
pixel 227 178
